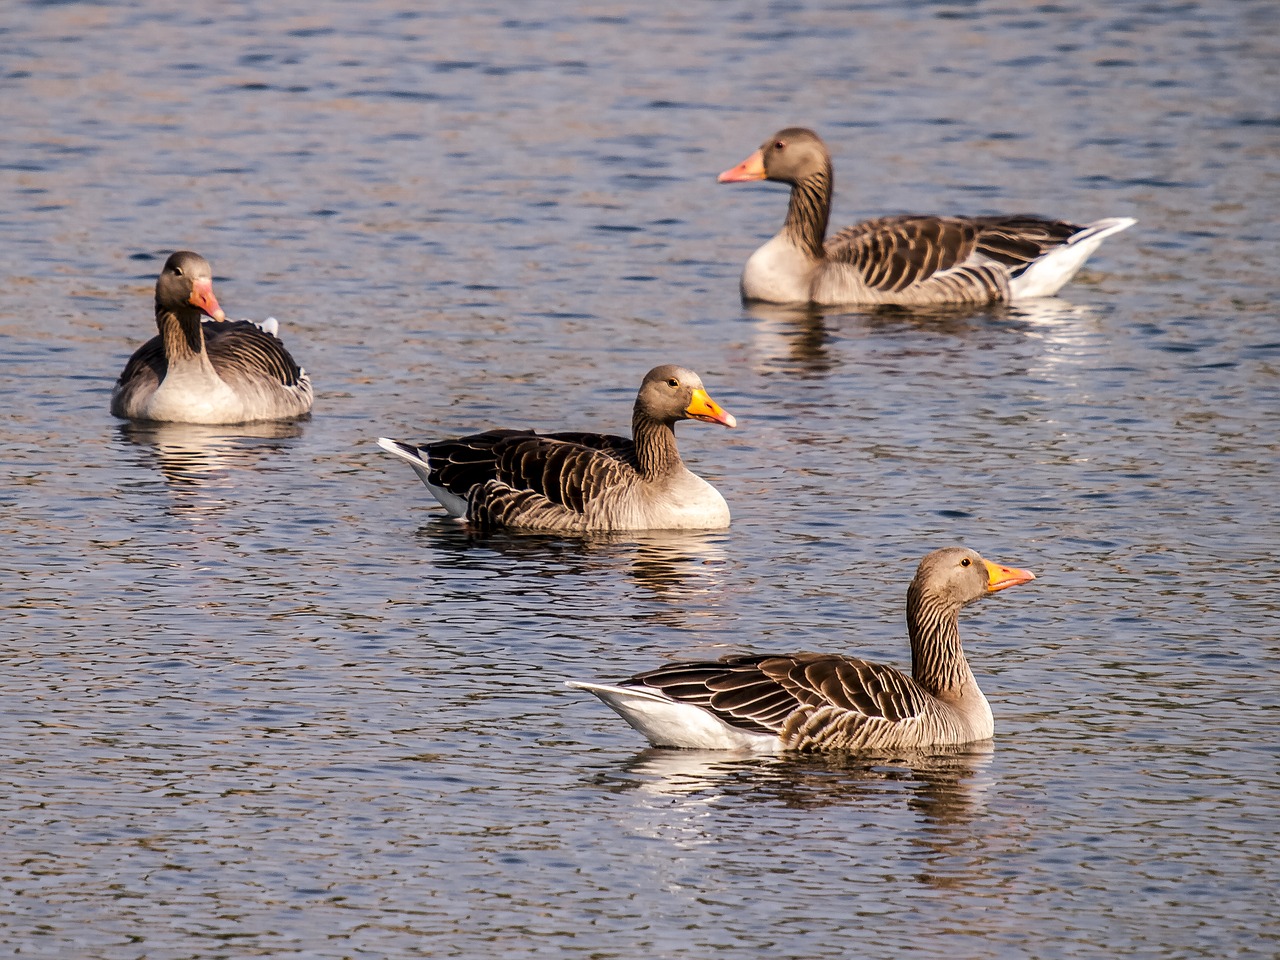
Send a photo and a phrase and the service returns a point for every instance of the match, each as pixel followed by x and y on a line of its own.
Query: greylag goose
pixel 908 260
pixel 229 371
pixel 823 701
pixel 581 482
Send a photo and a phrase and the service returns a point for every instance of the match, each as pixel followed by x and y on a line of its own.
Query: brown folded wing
pixel 239 349
pixel 897 254
pixel 761 692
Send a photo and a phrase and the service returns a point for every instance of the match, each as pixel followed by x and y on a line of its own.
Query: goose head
pixel 792 156
pixel 670 393
pixel 185 282
pixel 954 577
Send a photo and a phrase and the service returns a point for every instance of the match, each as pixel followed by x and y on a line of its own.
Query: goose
pixel 228 371
pixel 823 701
pixel 581 482
pixel 910 260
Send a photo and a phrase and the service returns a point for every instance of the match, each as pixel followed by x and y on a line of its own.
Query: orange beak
pixel 702 407
pixel 999 577
pixel 749 169
pixel 202 297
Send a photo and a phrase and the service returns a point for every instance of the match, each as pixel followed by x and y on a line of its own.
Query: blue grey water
pixel 261 700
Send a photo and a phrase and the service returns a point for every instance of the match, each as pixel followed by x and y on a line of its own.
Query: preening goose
pixel 194 372
pixel 909 260
pixel 579 482
pixel 823 701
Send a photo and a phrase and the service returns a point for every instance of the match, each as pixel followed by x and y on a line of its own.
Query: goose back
pixel 563 482
pixel 549 483
pixel 463 462
pixel 817 702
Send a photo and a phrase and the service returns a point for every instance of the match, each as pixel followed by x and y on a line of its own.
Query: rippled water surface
pixel 261 700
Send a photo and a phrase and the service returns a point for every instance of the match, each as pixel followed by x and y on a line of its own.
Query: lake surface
pixel 261 700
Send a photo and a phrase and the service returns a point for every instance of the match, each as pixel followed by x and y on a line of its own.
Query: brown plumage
pixel 823 701
pixel 217 372
pixel 577 482
pixel 908 260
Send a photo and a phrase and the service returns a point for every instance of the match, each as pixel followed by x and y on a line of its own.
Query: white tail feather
pixel 1047 275
pixel 455 505
pixel 670 723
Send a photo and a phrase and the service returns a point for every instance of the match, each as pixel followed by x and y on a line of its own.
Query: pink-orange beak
pixel 702 407
pixel 749 169
pixel 999 577
pixel 202 297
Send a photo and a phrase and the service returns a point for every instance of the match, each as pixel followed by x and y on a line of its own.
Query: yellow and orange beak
pixel 702 407
pixel 202 297
pixel 749 169
pixel 999 577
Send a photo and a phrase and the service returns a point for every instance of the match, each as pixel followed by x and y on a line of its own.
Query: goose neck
pixel 937 658
pixel 809 210
pixel 655 441
pixel 181 333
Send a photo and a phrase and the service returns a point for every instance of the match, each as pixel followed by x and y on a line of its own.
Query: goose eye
pixel 673 382
pixel 965 562
pixel 780 145
pixel 177 271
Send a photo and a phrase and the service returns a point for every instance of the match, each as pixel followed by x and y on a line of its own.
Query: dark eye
pixel 780 145
pixel 177 271
pixel 673 382
pixel 965 562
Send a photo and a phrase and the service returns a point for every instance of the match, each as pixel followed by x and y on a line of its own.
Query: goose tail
pixel 665 722
pixel 454 504
pixel 1046 276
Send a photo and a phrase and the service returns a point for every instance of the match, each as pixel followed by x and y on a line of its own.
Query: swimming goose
pixel 824 701
pixel 229 371
pixel 579 482
pixel 908 260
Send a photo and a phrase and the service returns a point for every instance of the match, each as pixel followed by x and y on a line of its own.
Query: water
pixel 262 702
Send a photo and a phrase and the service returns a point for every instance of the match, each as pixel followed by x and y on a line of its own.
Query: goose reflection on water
pixel 196 460
pixel 794 337
pixel 668 564
pixel 943 785
pixel 806 340
pixel 828 816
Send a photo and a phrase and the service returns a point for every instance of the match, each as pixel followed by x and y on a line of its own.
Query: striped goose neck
pixel 937 658
pixel 808 211
pixel 181 333
pixel 655 440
